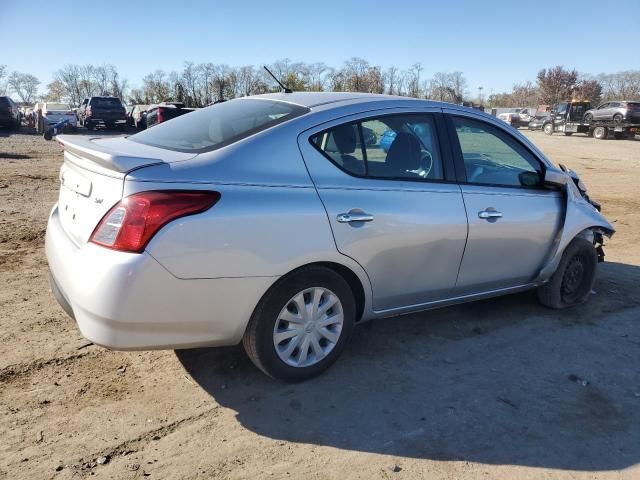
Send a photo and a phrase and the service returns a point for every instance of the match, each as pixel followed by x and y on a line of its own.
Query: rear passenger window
pixel 388 147
pixel 492 158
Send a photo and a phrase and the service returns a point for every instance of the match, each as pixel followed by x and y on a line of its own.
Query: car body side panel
pixel 509 250
pixel 251 232
pixel 580 215
pixel 412 249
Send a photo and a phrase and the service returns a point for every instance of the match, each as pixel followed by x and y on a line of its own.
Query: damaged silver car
pixel 283 220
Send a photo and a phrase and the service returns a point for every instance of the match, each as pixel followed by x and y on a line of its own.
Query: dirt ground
pixel 500 389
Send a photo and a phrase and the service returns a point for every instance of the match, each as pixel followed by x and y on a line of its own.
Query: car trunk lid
pixel 92 177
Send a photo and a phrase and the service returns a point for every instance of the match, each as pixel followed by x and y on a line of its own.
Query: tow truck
pixel 568 118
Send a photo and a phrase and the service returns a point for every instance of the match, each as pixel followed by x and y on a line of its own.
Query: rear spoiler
pixel 86 148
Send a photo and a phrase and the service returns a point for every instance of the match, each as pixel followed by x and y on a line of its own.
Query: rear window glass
pixel 102 102
pixel 57 106
pixel 4 101
pixel 218 125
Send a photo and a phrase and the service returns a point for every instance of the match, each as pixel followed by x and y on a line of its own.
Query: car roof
pixel 315 99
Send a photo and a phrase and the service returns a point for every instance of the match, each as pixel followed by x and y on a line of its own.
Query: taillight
pixel 88 112
pixel 160 115
pixel 131 223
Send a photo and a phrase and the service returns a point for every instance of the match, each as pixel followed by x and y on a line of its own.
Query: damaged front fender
pixel 581 219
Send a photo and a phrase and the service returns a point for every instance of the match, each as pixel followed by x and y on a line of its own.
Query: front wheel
pixel 588 118
pixel 573 280
pixel 548 129
pixel 301 325
pixel 568 134
pixel 617 118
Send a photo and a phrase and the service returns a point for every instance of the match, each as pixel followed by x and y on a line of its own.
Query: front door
pixel 512 218
pixel 383 182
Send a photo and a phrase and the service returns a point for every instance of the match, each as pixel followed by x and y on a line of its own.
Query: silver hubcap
pixel 308 327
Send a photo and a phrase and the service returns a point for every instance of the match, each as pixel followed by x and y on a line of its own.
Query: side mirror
pixel 555 178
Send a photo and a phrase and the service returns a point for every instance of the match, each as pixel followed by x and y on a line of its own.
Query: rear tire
pixel 548 128
pixel 588 118
pixel 573 280
pixel 600 133
pixel 88 125
pixel 617 118
pixel 260 337
pixel 568 134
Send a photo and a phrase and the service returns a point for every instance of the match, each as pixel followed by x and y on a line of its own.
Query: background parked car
pixel 512 118
pixel 9 113
pixel 139 116
pixel 53 113
pixel 107 111
pixel 165 111
pixel 538 120
pixel 617 111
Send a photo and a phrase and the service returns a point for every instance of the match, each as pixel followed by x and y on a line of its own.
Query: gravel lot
pixel 487 390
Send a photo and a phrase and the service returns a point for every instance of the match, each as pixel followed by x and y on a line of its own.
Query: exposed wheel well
pixel 349 276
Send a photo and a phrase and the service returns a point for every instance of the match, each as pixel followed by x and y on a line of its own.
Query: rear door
pixel 396 208
pixel 512 218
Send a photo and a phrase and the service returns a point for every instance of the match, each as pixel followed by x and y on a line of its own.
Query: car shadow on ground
pixel 501 381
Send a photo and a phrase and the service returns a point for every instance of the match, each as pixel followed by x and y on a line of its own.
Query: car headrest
pixel 345 138
pixel 404 153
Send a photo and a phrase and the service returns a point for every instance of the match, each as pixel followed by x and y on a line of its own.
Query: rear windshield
pixel 57 106
pixel 105 102
pixel 4 101
pixel 218 125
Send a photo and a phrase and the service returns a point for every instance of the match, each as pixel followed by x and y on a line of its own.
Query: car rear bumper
pixel 106 120
pixel 128 301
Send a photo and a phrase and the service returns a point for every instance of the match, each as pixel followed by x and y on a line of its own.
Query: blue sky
pixel 495 43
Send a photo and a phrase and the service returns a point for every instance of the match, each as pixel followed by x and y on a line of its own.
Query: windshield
pixel 57 106
pixel 218 125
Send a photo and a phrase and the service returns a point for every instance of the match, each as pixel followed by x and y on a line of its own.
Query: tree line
pixel 198 85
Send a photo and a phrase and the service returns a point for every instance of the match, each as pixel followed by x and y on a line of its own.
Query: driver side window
pixel 492 158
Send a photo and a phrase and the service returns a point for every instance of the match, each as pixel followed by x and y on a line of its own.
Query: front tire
pixel 573 280
pixel 617 118
pixel 588 118
pixel 301 325
pixel 548 128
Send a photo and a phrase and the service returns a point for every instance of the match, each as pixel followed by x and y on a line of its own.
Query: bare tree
pixel 3 83
pixel 24 85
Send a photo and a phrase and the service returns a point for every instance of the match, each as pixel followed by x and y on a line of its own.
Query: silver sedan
pixel 284 220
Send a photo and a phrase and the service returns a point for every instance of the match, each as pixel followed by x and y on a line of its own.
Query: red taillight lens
pixel 160 115
pixel 131 223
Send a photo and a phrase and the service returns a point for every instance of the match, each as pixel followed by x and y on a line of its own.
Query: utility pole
pixel 480 94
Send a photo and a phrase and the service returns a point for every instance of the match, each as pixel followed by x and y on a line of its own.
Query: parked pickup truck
pixel 165 111
pixel 107 111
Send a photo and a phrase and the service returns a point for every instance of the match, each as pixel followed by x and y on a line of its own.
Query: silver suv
pixel 617 111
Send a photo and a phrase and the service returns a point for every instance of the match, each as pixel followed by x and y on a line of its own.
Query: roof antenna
pixel 286 90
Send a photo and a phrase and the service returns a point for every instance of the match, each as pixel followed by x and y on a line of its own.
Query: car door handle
pixel 354 217
pixel 487 214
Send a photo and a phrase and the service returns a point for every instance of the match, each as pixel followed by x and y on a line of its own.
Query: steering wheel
pixel 424 171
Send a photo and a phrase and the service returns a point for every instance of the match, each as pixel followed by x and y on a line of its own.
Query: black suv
pixel 107 111
pixel 9 113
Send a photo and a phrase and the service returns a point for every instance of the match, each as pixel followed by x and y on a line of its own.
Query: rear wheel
pixel 301 325
pixel 573 280
pixel 617 118
pixel 548 128
pixel 588 118
pixel 600 133
pixel 568 134
pixel 88 124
